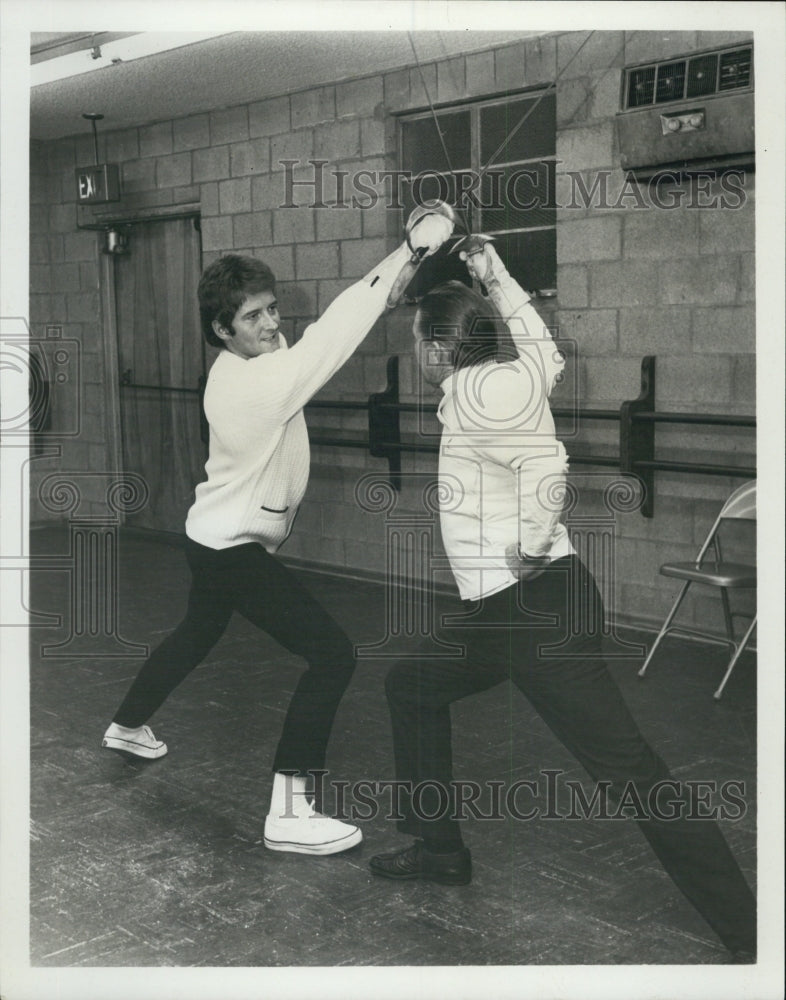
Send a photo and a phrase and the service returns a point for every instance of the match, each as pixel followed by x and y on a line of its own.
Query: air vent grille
pixel 671 82
pixel 702 76
pixel 735 69
pixel 680 79
pixel 641 87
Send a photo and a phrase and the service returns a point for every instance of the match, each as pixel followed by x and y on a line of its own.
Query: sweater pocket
pixel 271 526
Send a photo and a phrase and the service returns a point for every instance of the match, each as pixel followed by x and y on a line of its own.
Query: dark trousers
pixel 247 579
pixel 575 695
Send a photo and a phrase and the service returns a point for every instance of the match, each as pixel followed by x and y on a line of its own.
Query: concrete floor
pixel 161 864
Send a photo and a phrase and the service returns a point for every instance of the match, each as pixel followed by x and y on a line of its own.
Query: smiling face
pixel 254 327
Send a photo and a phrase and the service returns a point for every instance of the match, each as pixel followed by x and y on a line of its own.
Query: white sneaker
pixel 312 834
pixel 140 741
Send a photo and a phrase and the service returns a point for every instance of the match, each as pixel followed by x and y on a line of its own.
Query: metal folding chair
pixel 715 572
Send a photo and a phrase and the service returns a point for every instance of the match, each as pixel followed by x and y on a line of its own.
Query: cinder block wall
pixel 636 280
pixel 678 284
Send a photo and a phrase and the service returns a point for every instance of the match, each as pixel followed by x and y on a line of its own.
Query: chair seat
pixel 724 574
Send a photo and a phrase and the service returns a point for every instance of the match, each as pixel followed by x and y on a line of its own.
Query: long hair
pixel 454 313
pixel 224 287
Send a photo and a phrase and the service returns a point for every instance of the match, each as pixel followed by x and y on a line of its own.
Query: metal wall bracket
pixel 384 428
pixel 637 438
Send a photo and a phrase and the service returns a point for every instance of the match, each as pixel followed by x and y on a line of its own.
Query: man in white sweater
pixel 257 472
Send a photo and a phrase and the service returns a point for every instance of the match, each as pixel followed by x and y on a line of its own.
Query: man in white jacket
pixel 534 611
pixel 257 472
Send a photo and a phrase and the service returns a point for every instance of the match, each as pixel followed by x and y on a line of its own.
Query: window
pixel 495 161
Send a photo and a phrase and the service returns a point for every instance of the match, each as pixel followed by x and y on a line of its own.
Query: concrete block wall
pixel 65 312
pixel 635 279
pixel 631 281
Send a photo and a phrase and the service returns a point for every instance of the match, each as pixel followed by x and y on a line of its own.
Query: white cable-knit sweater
pixel 258 463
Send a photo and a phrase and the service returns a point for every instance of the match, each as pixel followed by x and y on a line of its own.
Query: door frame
pixel 112 368
pixel 108 323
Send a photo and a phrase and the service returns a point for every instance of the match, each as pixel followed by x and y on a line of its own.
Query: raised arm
pixel 284 381
pixel 531 337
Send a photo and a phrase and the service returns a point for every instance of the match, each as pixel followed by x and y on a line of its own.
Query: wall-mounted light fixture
pixel 116 240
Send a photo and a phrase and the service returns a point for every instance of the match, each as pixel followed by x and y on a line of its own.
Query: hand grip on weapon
pixel 478 253
pixel 427 228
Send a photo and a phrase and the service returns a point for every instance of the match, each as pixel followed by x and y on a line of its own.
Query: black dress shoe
pixel 418 862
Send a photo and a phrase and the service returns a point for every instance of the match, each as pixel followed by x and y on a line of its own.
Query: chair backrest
pixel 742 503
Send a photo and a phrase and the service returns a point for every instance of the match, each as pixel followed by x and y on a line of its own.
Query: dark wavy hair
pixel 453 312
pixel 224 287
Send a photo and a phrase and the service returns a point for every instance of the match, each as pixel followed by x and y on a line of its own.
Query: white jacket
pixel 501 467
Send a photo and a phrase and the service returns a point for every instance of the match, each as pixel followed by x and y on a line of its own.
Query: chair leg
pixel 735 657
pixel 665 627
pixel 727 613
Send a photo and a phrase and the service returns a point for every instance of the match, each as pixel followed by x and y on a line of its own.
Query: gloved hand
pixel 428 227
pixel 484 264
pixel 522 566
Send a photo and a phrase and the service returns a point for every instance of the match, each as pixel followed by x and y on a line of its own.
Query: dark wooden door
pixel 161 360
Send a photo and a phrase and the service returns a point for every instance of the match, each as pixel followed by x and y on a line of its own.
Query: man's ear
pixel 221 331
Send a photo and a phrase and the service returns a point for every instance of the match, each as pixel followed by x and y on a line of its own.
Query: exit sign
pixel 97 184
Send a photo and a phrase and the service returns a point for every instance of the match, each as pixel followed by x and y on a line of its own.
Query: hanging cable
pixel 464 221
pixel 519 125
pixel 531 111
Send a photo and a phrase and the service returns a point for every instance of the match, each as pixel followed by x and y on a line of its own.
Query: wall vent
pixel 685 79
pixel 688 113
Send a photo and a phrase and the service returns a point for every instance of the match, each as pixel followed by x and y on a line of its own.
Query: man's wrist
pixel 532 560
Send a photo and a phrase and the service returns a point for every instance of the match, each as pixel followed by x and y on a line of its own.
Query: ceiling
pixel 235 68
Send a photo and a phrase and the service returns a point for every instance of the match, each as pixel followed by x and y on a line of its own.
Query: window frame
pixel 472 214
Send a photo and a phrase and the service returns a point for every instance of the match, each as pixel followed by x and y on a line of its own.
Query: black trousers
pixel 572 690
pixel 247 579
